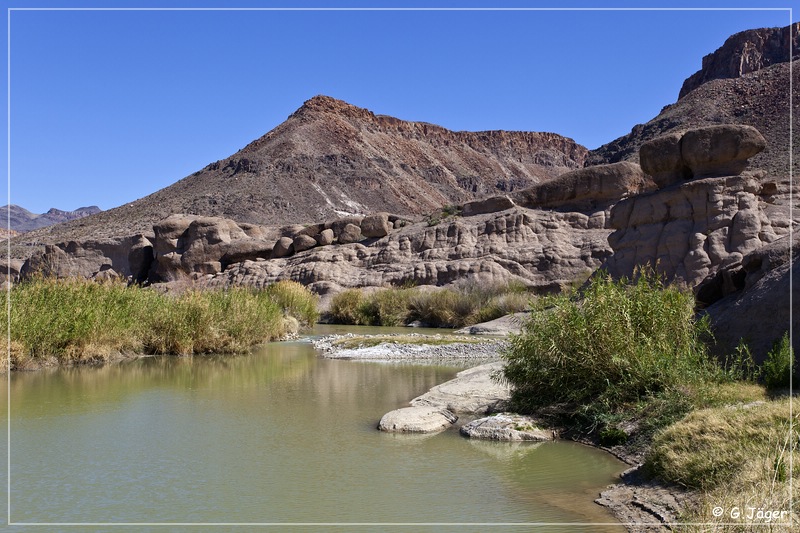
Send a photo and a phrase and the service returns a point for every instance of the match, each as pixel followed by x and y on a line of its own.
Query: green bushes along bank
pixel 627 363
pixel 78 320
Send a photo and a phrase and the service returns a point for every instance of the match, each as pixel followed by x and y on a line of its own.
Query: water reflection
pixel 276 436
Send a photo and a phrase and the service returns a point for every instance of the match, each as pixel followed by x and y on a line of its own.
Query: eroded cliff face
pixel 746 52
pixel 543 249
pixel 716 228
pixel 708 214
pixel 546 237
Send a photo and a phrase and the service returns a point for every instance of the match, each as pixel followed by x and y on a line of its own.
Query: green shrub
pixel 622 342
pixel 777 368
pixel 453 308
pixel 345 307
pixel 740 366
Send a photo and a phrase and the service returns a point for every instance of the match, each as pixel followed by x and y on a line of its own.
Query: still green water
pixel 277 436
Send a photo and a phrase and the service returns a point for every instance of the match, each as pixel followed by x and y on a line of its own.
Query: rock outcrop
pixel 417 420
pixel 127 257
pixel 474 391
pixel 506 427
pixel 587 188
pixel 692 229
pixel 752 300
pixel 745 52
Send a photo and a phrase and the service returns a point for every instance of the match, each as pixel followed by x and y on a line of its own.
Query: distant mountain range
pixel 22 220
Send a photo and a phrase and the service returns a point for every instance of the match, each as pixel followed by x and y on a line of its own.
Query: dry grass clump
pixel 76 320
pixel 739 457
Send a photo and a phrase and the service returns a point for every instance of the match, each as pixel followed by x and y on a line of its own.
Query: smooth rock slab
pixel 506 427
pixel 417 420
pixel 472 391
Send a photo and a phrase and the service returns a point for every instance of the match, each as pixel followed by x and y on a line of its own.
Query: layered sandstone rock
pixel 692 229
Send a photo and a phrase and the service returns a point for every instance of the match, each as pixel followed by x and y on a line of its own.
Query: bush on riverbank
pixel 620 342
pixel 80 320
pixel 452 308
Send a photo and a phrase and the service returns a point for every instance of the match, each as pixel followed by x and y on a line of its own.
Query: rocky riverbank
pixel 476 400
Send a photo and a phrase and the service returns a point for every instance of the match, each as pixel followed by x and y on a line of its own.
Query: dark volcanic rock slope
pixel 330 159
pixel 746 81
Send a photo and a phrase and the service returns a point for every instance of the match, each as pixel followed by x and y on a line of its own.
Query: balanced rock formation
pixel 691 229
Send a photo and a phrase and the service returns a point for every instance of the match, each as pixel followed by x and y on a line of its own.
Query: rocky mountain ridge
pixel 331 159
pixel 746 52
pixel 757 96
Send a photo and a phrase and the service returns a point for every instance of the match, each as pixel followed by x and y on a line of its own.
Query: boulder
pixel 339 224
pixel 350 233
pixel 282 247
pixel 312 230
pixel 248 249
pixel 417 420
pixel 325 237
pixel 474 391
pixel 587 188
pixel 303 242
pixel 186 245
pixel 720 150
pixel 375 225
pixel 10 269
pixel 661 159
pixel 487 205
pixel 506 427
pixel 140 258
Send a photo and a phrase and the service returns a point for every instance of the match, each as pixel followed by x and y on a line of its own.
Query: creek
pixel 277 436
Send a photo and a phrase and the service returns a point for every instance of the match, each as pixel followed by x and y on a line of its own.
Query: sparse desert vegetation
pixel 449 307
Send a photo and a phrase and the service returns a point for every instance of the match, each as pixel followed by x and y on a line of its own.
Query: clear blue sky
pixel 109 106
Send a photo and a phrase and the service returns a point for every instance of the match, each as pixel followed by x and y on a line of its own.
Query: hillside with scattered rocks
pixel 331 159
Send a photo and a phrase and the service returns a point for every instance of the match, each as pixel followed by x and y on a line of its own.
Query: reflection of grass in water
pixel 368 341
pixel 116 382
